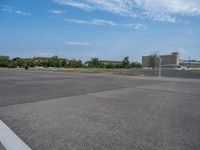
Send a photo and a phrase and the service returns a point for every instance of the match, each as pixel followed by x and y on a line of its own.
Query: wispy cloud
pixel 45 54
pixel 56 12
pixel 10 9
pixel 76 4
pixel 135 26
pixel 19 12
pixel 76 43
pixel 161 10
pixel 82 43
pixel 100 22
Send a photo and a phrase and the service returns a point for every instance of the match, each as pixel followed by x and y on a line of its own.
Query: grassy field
pixel 194 65
pixel 131 72
pixel 196 71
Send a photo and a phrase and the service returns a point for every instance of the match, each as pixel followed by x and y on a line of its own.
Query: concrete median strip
pixel 10 140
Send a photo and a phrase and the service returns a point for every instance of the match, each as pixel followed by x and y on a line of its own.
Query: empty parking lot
pixel 58 111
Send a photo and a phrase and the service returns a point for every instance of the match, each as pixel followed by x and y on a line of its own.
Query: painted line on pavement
pixel 10 140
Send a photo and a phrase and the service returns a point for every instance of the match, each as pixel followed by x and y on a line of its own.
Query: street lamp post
pixel 189 63
pixel 159 68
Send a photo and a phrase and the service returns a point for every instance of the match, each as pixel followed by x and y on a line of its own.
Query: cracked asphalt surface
pixel 59 111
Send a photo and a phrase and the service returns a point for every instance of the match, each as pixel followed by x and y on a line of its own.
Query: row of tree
pixel 125 63
pixel 55 61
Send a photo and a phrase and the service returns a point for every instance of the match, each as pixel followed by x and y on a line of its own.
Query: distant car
pixel 26 67
pixel 182 68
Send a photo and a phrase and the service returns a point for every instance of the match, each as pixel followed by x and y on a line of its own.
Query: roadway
pixel 59 110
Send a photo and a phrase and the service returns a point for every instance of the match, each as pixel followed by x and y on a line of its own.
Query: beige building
pixel 171 59
pixel 147 61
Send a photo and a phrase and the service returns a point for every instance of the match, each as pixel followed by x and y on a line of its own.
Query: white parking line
pixel 10 140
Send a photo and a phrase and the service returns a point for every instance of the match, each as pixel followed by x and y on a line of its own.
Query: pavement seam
pixel 180 92
pixel 92 93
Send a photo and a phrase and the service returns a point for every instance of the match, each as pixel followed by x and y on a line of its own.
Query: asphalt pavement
pixel 59 111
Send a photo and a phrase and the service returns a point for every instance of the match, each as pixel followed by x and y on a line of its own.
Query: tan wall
pixel 146 61
pixel 172 59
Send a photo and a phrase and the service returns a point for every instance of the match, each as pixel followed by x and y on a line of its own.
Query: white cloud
pixel 45 54
pixel 6 8
pixel 100 22
pixel 162 10
pixel 19 12
pixel 135 26
pixel 103 22
pixel 56 12
pixel 9 9
pixel 76 43
pixel 82 43
pixel 74 3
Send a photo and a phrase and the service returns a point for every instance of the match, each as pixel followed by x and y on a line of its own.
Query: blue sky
pixel 107 29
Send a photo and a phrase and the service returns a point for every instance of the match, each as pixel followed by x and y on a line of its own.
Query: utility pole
pixel 160 61
pixel 159 68
pixel 189 63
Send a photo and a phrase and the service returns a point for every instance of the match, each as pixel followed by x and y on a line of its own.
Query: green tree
pixel 43 63
pixel 75 64
pixel 54 62
pixel 12 64
pixel 136 65
pixel 20 62
pixel 4 61
pixel 63 63
pixel 95 63
pixel 110 66
pixel 126 63
pixel 30 63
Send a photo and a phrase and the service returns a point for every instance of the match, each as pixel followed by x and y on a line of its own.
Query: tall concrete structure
pixel 172 59
pixel 147 61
